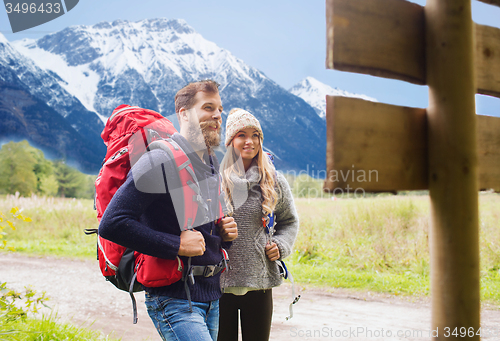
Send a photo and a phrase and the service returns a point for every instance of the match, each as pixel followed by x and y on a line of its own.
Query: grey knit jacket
pixel 248 263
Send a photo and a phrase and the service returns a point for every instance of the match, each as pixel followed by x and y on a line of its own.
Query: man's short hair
pixel 185 96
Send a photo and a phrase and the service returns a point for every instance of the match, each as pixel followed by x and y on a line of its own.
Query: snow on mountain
pixel 49 87
pixel 157 53
pixel 33 106
pixel 79 81
pixel 314 93
pixel 145 63
pixel 42 83
pixel 3 39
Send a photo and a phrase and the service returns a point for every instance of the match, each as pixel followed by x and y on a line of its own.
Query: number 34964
pixel 461 332
pixel 33 8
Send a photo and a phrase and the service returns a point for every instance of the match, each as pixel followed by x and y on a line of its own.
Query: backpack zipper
pixel 119 111
pixel 111 265
pixel 118 154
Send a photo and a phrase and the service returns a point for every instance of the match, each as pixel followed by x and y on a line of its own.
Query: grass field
pixel 378 244
pixel 56 228
pixel 381 244
pixel 47 328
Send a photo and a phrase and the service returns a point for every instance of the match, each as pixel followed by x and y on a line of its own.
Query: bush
pixel 16 308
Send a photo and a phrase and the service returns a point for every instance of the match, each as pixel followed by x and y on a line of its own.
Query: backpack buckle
pixel 190 276
pixel 209 270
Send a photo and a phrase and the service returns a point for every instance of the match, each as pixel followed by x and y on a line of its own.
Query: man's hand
pixel 192 243
pixel 228 229
pixel 272 252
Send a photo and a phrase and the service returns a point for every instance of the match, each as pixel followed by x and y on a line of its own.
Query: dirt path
pixel 81 295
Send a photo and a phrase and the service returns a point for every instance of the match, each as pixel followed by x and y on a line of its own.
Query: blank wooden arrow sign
pixel 382 38
pixel 487 60
pixel 445 148
pixel 492 2
pixel 386 38
pixel 380 147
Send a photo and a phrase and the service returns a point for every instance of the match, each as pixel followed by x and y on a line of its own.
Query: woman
pixel 253 190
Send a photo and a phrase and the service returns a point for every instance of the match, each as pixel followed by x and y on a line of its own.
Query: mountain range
pixel 314 93
pixel 58 90
pixel 35 107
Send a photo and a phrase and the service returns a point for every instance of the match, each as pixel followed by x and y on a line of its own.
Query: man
pixel 143 218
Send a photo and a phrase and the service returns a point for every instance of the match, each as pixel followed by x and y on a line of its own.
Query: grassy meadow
pixel 381 244
pixel 56 228
pixel 375 244
pixel 47 328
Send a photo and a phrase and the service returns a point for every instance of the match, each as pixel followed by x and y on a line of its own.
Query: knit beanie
pixel 239 119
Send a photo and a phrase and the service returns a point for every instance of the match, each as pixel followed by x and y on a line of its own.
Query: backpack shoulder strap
pixel 184 188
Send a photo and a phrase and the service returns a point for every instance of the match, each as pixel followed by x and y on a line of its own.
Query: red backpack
pixel 128 134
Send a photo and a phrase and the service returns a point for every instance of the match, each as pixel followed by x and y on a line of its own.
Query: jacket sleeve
pixel 121 221
pixel 287 220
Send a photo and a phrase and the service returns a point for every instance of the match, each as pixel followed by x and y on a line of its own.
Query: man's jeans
pixel 173 320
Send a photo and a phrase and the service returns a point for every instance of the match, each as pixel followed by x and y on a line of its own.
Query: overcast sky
pixel 285 39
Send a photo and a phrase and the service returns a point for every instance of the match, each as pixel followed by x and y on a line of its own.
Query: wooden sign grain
pixel 380 147
pixel 488 152
pixel 492 2
pixel 375 146
pixel 382 38
pixel 386 38
pixel 487 60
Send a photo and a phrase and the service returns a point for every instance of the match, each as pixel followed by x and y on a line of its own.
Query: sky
pixel 285 39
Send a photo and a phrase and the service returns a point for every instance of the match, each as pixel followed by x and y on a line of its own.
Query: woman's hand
pixel 272 251
pixel 228 229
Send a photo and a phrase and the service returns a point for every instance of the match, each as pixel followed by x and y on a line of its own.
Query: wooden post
pixel 453 184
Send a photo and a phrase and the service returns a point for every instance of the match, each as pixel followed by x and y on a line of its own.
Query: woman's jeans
pixel 174 321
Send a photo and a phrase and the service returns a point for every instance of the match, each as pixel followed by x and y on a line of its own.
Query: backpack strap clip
pixel 209 271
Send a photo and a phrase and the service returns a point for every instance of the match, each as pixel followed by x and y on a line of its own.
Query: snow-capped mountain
pixel 35 107
pixel 145 63
pixel 314 93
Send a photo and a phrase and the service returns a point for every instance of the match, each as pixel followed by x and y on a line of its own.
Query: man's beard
pixel 201 137
pixel 212 138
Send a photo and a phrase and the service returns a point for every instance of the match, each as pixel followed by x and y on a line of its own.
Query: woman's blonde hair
pixel 232 163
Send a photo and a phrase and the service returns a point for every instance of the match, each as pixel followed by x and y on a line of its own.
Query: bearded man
pixel 147 221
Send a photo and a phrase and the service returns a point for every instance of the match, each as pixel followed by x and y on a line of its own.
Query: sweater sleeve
pixel 287 220
pixel 121 221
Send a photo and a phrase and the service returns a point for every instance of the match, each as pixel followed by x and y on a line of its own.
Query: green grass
pixel 381 244
pixel 56 228
pixel 45 329
pixel 378 243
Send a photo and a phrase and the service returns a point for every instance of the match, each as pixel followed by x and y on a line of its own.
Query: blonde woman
pixel 253 190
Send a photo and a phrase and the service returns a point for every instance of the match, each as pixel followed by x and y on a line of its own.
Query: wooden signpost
pixel 445 148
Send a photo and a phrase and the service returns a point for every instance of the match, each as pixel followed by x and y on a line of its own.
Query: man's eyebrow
pixel 213 104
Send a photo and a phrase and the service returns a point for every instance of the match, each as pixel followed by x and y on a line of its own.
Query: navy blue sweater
pixel 141 216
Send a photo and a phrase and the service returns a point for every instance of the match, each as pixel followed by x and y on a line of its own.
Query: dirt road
pixel 81 295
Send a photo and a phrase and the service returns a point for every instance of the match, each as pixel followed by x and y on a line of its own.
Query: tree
pixel 88 189
pixel 48 185
pixel 44 172
pixel 17 169
pixel 24 169
pixel 71 181
pixel 306 186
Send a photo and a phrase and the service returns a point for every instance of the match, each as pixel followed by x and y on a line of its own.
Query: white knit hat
pixel 239 119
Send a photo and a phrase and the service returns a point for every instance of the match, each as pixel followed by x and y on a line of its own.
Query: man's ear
pixel 183 115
